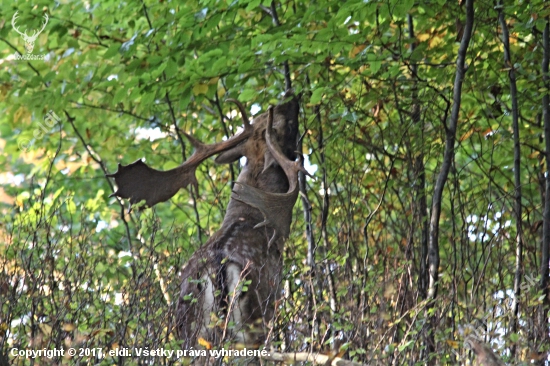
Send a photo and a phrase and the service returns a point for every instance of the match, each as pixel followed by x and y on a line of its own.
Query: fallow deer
pixel 247 249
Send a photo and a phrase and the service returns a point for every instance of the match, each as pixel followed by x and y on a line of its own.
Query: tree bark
pixel 420 178
pixel 450 132
pixel 545 250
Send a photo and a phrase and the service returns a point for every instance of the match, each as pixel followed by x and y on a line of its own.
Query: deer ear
pixel 230 155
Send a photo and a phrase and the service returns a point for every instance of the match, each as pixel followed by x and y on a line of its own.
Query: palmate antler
pixel 139 182
pixel 275 207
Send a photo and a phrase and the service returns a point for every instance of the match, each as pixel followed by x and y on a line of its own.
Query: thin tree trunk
pixel 420 179
pixel 420 201
pixel 517 171
pixel 310 261
pixel 451 127
pixel 324 231
pixel 545 251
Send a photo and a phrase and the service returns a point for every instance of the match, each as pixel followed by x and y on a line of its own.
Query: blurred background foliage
pixel 123 79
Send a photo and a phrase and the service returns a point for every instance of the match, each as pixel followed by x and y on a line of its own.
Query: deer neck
pixel 271 180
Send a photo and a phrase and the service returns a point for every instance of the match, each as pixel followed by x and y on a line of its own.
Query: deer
pixel 230 285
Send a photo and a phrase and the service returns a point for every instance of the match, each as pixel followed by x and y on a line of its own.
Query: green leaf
pixel 199 89
pixel 171 68
pixel 402 7
pixel 119 95
pixel 317 95
pixel 375 66
pixel 111 51
pixel 247 95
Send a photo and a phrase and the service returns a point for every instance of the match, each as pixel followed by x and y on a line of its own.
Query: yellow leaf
pixel 423 36
pixel 45 328
pixel 102 332
pixel 435 41
pixel 22 116
pixel 389 291
pixel 200 89
pixel 453 344
pixel 3 328
pixel 4 89
pixel 467 134
pixel 69 327
pixel 356 50
pixel 243 14
pixel 203 342
pixel 239 346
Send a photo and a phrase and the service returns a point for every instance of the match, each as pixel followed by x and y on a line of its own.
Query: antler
pixel 139 182
pixel 275 207
pixel 241 109
pixel 13 19
pixel 24 34
pixel 43 26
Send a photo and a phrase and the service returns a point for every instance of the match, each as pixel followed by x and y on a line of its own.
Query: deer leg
pixel 208 301
pixel 237 302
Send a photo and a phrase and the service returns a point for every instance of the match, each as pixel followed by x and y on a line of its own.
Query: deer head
pixel 258 215
pixel 29 40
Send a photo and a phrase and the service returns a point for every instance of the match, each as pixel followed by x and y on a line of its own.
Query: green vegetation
pixel 120 81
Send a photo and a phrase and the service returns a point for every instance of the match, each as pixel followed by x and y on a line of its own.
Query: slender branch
pixel 29 64
pixel 324 218
pixel 433 242
pixel 111 110
pixel 48 177
pixel 450 132
pixel 181 141
pixel 218 106
pixel 517 170
pixel 147 15
pixel 98 160
pixel 306 206
pixel 420 203
pixel 545 252
pixel 276 22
